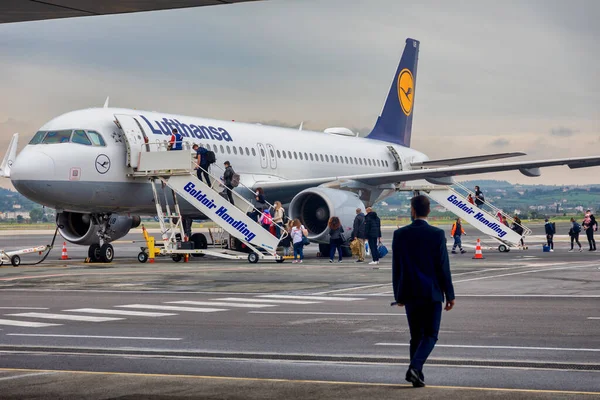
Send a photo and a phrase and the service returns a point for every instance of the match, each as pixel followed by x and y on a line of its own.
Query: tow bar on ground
pixel 14 257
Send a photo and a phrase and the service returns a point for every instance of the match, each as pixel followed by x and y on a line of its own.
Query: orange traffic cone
pixel 64 255
pixel 478 254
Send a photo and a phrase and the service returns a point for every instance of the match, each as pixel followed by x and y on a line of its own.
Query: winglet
pixel 301 125
pixel 9 157
pixel 106 102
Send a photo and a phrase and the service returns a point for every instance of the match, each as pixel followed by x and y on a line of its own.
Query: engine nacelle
pixel 79 228
pixel 314 206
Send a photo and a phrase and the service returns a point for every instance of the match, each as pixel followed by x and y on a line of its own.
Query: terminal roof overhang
pixel 35 10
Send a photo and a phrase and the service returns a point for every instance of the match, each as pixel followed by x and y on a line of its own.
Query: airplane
pixel 80 164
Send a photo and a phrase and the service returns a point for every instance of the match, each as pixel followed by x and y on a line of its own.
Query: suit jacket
pixel 420 265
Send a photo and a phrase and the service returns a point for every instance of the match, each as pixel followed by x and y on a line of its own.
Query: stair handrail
pixel 283 231
pixel 496 210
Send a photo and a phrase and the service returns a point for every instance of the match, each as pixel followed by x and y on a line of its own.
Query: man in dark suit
pixel 421 278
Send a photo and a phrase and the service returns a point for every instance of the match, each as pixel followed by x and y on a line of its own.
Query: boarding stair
pixel 175 172
pixel 485 218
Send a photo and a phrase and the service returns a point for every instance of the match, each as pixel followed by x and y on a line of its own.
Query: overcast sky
pixel 493 76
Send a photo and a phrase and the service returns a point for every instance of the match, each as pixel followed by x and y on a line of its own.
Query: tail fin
pixel 395 122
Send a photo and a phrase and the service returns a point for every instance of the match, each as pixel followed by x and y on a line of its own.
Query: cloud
pixel 500 142
pixel 563 132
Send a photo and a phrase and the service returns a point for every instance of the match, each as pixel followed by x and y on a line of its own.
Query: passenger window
pixel 347 162
pixel 321 155
pixel 379 165
pixel 278 154
pixel 306 156
pixel 228 150
pixel 234 150
pixel 295 155
pixel 53 137
pixel 262 153
pixel 271 152
pixel 80 137
pixel 370 162
pixel 336 159
pixel 241 151
pixel 351 161
pixel 355 160
pixel 253 152
pixel 301 156
pixel 326 158
pixel 361 160
pixel 284 154
pixel 311 157
pixel 222 149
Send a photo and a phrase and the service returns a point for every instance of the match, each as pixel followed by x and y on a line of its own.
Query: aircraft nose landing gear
pixel 104 251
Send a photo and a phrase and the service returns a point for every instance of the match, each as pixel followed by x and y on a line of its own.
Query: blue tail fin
pixel 395 122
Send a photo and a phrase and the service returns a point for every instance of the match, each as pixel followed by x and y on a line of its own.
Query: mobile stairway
pixel 485 218
pixel 172 173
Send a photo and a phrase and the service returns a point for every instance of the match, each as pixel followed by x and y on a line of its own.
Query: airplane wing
pixel 528 168
pixel 447 162
pixel 34 10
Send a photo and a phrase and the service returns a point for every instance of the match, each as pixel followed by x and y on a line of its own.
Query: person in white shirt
pixel 298 230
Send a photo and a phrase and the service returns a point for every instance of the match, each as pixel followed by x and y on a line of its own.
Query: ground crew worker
pixel 456 232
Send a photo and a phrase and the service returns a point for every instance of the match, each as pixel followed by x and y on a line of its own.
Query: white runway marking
pixel 322 313
pixel 9 378
pixel 92 337
pixel 220 304
pixel 593 317
pixel 121 312
pixel 522 273
pixel 352 288
pixel 267 301
pixel 86 318
pixel 172 308
pixel 27 324
pixel 466 346
pixel 23 308
pixel 281 296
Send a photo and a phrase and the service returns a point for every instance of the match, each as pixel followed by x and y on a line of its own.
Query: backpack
pixel 576 227
pixel 211 158
pixel 235 179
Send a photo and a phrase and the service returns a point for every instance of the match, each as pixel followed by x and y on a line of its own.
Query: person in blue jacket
pixel 176 142
pixel 549 227
pixel 421 279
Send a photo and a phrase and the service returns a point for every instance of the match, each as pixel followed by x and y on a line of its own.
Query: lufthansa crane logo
pixel 406 90
pixel 102 164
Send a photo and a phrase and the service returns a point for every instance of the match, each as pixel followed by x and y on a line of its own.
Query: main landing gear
pixel 104 251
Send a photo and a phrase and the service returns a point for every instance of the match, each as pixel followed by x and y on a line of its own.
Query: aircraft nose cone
pixel 29 174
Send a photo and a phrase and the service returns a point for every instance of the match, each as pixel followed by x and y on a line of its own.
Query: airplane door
pixel 135 138
pixel 271 155
pixel 262 152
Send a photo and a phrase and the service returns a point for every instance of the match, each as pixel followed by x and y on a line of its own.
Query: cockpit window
pixel 37 138
pixel 53 137
pixel 80 137
pixel 96 138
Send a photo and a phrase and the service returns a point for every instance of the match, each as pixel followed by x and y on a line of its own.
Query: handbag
pixel 382 250
pixel 305 241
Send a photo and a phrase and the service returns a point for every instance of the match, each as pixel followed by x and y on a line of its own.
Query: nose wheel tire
pixel 94 253
pixel 503 249
pixel 15 261
pixel 107 253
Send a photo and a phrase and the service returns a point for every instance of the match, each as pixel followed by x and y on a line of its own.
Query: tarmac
pixel 525 326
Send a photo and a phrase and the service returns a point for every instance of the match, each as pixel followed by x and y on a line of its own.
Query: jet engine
pixel 314 206
pixel 82 229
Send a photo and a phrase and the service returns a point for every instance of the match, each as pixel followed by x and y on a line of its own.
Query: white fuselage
pixel 76 177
